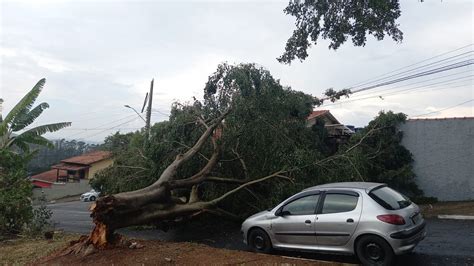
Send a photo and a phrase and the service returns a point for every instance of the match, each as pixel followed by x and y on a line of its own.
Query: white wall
pixel 58 191
pixel 443 150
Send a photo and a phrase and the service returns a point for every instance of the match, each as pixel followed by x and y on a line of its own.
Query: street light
pixel 128 106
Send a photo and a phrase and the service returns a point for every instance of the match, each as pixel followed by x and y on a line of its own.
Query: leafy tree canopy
pixel 265 131
pixel 337 21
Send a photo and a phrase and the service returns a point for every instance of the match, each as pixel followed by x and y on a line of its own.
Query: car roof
pixel 358 185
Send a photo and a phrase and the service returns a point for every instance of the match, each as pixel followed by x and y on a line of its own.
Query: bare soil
pixel 448 208
pixel 173 253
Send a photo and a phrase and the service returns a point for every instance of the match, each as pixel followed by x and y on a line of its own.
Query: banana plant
pixel 13 129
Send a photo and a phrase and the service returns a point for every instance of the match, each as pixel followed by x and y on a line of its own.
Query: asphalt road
pixel 448 242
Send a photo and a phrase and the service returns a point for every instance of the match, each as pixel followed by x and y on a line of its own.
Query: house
pixel 83 166
pixel 335 128
pixel 71 176
pixel 46 179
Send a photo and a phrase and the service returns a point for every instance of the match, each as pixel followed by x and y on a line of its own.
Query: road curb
pixel 456 217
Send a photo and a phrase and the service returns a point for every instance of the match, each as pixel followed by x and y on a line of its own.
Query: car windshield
pixel 389 198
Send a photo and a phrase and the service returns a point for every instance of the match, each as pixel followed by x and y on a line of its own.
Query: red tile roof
pixel 49 176
pixel 317 113
pixel 41 184
pixel 89 158
pixel 69 166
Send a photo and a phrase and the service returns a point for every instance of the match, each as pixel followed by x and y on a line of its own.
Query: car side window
pixel 334 203
pixel 302 206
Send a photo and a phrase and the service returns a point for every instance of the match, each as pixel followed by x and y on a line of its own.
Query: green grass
pixel 21 251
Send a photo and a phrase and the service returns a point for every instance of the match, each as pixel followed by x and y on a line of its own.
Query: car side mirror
pixel 283 213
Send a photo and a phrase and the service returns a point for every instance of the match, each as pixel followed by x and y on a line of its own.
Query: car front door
pixel 294 225
pixel 337 217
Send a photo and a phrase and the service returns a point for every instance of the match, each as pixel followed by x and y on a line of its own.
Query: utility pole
pixel 1 102
pixel 148 113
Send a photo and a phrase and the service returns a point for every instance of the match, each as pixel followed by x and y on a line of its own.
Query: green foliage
pixel 266 131
pixel 41 219
pixel 338 20
pixel 16 211
pixel 15 193
pixel 22 116
pixel 378 156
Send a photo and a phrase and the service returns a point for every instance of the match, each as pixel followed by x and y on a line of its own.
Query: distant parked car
pixel 369 220
pixel 90 196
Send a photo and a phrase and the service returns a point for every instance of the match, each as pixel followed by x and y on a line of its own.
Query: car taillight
pixel 391 219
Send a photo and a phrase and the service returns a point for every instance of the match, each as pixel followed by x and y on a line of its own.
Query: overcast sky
pixel 100 55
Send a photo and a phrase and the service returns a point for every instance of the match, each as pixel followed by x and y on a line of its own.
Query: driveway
pixel 449 242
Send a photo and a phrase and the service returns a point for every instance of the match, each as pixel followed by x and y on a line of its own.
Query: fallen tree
pixel 157 201
pixel 231 93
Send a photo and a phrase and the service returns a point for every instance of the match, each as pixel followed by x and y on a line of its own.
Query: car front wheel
pixel 92 198
pixel 260 241
pixel 373 250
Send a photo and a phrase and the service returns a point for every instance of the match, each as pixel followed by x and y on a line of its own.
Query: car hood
pixel 260 215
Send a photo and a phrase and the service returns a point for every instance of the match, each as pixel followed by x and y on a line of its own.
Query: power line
pixel 81 120
pixel 445 82
pixel 103 125
pixel 426 67
pixel 422 74
pixel 376 93
pixel 159 112
pixel 107 129
pixel 434 112
pixel 416 63
pixel 443 88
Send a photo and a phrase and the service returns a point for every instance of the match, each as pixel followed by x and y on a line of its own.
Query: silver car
pixel 369 220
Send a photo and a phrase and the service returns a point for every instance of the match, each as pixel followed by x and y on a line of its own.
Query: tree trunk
pixel 156 204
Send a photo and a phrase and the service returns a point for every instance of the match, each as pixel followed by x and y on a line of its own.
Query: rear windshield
pixel 389 198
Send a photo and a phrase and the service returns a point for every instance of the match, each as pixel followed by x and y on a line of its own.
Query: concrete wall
pixel 62 190
pixel 95 167
pixel 443 150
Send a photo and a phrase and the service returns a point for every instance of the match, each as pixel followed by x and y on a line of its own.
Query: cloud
pixel 98 56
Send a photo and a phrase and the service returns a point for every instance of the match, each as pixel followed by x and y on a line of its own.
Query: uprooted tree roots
pixel 156 203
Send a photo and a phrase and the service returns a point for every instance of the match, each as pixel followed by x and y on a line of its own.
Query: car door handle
pixel 307 221
pixel 350 220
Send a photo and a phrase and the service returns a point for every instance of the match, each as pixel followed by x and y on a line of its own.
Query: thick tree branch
pixel 217 200
pixel 160 191
pixel 194 194
pixel 226 180
pixel 132 167
pixel 201 175
pixel 242 162
pixel 170 171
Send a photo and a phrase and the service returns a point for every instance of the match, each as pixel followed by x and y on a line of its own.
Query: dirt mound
pixel 182 253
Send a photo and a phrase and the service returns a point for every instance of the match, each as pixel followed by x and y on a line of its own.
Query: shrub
pixel 40 221
pixel 15 193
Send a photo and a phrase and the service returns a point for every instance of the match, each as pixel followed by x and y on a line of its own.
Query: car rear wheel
pixel 259 241
pixel 92 198
pixel 373 250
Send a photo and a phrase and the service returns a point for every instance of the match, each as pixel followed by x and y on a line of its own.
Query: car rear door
pixel 297 226
pixel 337 217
